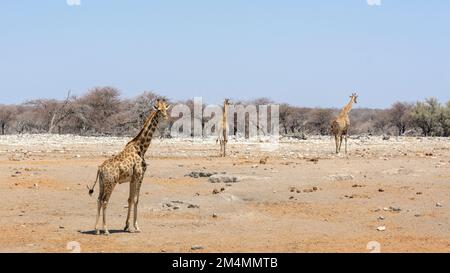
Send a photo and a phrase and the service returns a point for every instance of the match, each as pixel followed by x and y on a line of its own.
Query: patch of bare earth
pixel 297 197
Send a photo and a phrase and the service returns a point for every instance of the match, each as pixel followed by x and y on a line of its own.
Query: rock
pixel 386 137
pixel 263 160
pixel 341 177
pixel 221 178
pixel 380 190
pixel 170 206
pixel 315 160
pixel 192 206
pixel 395 209
pixel 438 205
pixel 195 174
pixel 196 247
pixel 381 228
pixel 381 218
pixel 419 193
pixel 214 215
pixel 61 227
pixel 215 191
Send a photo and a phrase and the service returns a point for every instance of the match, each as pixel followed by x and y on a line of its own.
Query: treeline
pixel 101 111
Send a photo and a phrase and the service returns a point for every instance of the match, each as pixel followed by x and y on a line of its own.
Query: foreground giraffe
pixel 339 127
pixel 128 166
pixel 223 134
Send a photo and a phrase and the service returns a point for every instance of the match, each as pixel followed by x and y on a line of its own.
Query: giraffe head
pixel 227 102
pixel 162 107
pixel 354 97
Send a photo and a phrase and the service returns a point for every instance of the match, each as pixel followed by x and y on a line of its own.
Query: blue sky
pixel 309 53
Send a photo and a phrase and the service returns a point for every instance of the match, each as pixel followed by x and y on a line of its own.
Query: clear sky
pixel 309 53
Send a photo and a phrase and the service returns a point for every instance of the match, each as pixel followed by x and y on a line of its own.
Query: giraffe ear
pixel 168 106
pixel 155 107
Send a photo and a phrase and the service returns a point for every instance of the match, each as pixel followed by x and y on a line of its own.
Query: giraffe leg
pixel 345 144
pixel 336 141
pixel 105 199
pixel 99 206
pixel 136 201
pixel 105 227
pixel 225 148
pixel 130 204
pixel 340 142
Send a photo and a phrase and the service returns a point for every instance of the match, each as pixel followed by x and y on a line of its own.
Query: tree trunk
pixel 50 127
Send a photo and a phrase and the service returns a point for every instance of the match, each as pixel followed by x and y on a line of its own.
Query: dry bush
pixel 399 115
pixel 101 111
pixel 319 121
pixel 431 117
pixel 7 113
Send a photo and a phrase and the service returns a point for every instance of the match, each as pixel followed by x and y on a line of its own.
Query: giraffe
pixel 339 127
pixel 127 166
pixel 223 133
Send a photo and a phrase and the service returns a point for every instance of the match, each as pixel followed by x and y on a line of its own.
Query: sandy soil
pixel 304 199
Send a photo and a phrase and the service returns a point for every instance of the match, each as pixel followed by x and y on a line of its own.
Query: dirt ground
pixel 303 199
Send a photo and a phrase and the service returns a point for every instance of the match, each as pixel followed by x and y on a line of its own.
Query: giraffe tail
pixel 91 189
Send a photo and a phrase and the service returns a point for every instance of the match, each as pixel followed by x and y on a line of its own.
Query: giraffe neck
pixel 225 121
pixel 347 108
pixel 144 138
pixel 225 113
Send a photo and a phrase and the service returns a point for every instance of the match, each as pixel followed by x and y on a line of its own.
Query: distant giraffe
pixel 128 166
pixel 339 127
pixel 223 134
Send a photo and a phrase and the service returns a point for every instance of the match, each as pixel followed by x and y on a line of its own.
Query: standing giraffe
pixel 223 133
pixel 128 166
pixel 339 127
